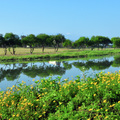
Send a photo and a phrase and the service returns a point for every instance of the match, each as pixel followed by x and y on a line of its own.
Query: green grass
pixel 48 99
pixel 63 53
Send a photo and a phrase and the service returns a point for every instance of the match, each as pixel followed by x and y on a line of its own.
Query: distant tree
pixel 116 42
pixel 29 40
pixel 95 41
pixel 91 44
pixel 3 44
pixel 67 43
pixel 57 40
pixel 82 42
pixel 43 40
pixel 105 41
pixel 100 41
pixel 12 41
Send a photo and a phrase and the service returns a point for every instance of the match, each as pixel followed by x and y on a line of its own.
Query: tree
pixel 105 41
pixel 42 39
pixel 3 44
pixel 67 43
pixel 98 41
pixel 116 42
pixel 57 40
pixel 82 42
pixel 29 40
pixel 11 40
pixel 91 44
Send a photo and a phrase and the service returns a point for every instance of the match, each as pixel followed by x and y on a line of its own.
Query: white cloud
pixel 68 33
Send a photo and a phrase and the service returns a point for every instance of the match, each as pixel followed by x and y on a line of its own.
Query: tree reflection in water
pixel 43 69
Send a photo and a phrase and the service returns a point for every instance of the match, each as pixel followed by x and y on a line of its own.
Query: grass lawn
pixel 49 53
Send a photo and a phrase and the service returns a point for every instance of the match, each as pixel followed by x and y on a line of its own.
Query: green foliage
pixel 57 40
pixel 99 41
pixel 43 39
pixel 116 42
pixel 67 43
pixel 95 98
pixel 11 40
pixel 29 40
pixel 81 42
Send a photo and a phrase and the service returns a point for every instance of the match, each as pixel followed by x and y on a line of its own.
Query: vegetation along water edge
pixel 83 99
pixel 64 53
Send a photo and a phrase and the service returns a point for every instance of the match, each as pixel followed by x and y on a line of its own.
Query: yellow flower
pixel 91 82
pixel 94 95
pixel 108 72
pixel 106 117
pixel 33 80
pixel 95 83
pixel 97 109
pixel 40 116
pixel 38 95
pixel 119 101
pixel 112 105
pixel 65 79
pixel 25 99
pixel 13 115
pixel 60 103
pixel 88 119
pixel 44 112
pixel 35 113
pixel 17 115
pixel 104 101
pixel 90 109
pixel 106 110
pixel 54 101
pixel 29 103
pixel 31 87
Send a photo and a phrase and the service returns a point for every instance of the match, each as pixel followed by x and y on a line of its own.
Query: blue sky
pixel 72 18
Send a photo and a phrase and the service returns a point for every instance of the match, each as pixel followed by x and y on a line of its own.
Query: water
pixel 11 74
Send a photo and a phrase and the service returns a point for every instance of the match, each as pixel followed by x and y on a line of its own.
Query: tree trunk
pixel 13 51
pixel 42 48
pixel 5 50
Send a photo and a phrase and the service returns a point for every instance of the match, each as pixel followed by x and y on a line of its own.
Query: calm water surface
pixel 11 74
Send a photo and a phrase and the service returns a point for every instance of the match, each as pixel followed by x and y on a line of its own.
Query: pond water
pixel 12 74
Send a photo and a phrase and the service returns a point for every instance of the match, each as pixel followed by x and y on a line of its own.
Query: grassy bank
pixel 89 99
pixel 23 54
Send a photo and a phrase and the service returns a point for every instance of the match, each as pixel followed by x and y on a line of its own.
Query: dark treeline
pixel 10 41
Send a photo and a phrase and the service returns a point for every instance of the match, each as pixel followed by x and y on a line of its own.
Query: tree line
pixel 10 41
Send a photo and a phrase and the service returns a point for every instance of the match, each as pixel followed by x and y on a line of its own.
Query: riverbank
pixel 97 98
pixel 62 53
